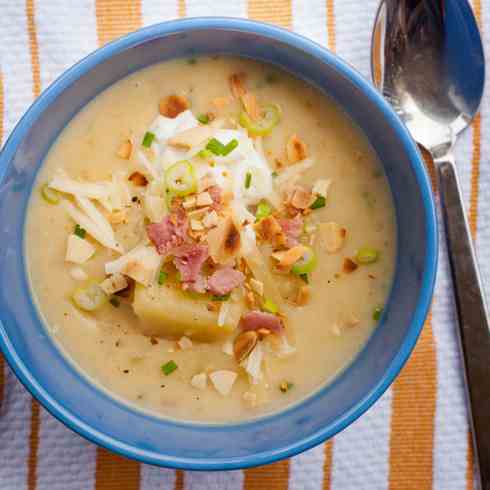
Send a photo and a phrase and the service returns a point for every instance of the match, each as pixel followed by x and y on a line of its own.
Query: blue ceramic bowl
pixel 70 397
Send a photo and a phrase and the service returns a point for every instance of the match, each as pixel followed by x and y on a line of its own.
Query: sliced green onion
pixel 320 202
pixel 148 139
pixel 377 313
pixel 229 147
pixel 274 174
pixel 180 179
pixel 306 264
pixel 169 367
pixel 90 298
pixel 264 125
pixel 270 306
pixel 114 302
pixel 285 386
pixel 79 231
pixel 264 209
pixel 215 146
pixel 305 278
pixel 205 154
pixel 191 61
pixel 367 255
pixel 50 195
pixel 248 180
pixel 162 277
pixel 203 118
pixel 220 297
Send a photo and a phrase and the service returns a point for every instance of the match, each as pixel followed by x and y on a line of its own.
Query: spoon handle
pixel 472 314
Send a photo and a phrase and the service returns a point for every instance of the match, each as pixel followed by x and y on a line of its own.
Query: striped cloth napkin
pixel 414 438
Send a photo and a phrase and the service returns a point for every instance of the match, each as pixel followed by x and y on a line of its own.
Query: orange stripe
pixel 412 421
pixel 36 90
pixel 181 9
pixel 274 476
pixel 179 480
pixel 473 222
pixel 2 363
pixel 332 39
pixel 115 18
pixel 273 11
pixel 327 465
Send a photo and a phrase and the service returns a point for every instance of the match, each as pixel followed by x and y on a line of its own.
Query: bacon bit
pixel 203 199
pixel 349 266
pixel 293 228
pixel 287 258
pixel 270 230
pixel 125 149
pixel 224 241
pixel 138 179
pixel 224 280
pixel 302 199
pixel 173 105
pixel 303 295
pixel 170 233
pixel 295 149
pixel 221 102
pixel 255 320
pixel 251 106
pixel 237 85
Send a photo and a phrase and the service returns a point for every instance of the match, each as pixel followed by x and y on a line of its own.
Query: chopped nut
pixel 295 149
pixel 351 320
pixel 332 236
pixel 138 179
pixel 211 219
pixel 173 105
pixel 270 230
pixel 153 341
pixel 199 381
pixel 191 137
pixel 196 225
pixel 244 344
pixel 204 199
pixel 263 332
pixel 124 150
pixel 303 296
pixel 250 300
pixel 221 102
pixel 251 106
pixel 257 286
pixel 185 343
pixel 113 284
pixel 302 199
pixel 320 188
pixel 349 266
pixel 212 306
pixel 237 85
pixel 287 258
pixel 189 202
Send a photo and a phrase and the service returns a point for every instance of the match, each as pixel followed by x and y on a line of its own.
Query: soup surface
pixel 211 239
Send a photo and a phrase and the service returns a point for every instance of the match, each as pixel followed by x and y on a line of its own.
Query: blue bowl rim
pixel 430 266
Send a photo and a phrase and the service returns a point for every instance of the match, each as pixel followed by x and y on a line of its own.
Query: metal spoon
pixel 427 59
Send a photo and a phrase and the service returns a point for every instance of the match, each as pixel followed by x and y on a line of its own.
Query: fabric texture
pixel 414 438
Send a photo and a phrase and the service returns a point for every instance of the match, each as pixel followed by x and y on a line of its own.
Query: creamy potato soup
pixel 211 239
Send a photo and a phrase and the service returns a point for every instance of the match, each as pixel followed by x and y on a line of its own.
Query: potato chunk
pixel 165 311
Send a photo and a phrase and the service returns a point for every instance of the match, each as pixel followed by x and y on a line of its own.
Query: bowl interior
pixel 66 393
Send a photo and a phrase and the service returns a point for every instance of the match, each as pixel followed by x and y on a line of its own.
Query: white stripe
pixel 306 469
pixel 224 8
pixel 154 11
pixel 66 32
pixel 223 480
pixel 15 411
pixel 451 428
pixel 65 460
pixel 354 22
pixel 361 452
pixel 311 21
pixel 153 478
